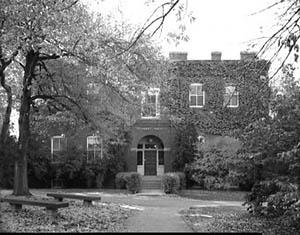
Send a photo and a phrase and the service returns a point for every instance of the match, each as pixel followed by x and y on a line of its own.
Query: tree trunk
pixel 20 171
pixel 5 126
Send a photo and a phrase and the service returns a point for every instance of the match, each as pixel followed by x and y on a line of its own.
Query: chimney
pixel 245 55
pixel 178 56
pixel 216 55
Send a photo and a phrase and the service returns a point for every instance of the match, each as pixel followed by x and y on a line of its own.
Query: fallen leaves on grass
pixel 101 217
pixel 232 219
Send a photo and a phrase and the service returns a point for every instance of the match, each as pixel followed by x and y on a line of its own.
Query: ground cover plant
pixel 101 217
pixel 131 181
pixel 215 195
pixel 232 219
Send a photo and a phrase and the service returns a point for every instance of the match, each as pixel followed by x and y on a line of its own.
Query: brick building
pixel 220 96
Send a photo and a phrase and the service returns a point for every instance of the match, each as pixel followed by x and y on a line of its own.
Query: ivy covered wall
pixel 249 77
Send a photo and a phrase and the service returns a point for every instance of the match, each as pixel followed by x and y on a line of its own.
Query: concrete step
pixel 151 183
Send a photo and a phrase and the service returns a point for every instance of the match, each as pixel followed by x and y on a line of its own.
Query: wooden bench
pixel 87 200
pixel 51 206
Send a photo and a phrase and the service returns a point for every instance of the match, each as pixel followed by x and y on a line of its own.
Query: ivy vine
pixel 249 77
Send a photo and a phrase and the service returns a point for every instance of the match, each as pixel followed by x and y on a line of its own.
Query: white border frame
pixel 87 146
pixel 151 91
pixel 160 169
pixel 203 92
pixel 238 97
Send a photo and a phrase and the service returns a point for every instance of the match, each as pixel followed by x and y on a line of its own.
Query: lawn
pixel 232 219
pixel 213 195
pixel 101 217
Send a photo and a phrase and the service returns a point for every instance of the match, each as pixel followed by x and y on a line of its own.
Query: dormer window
pixel 150 104
pixel 231 97
pixel 196 95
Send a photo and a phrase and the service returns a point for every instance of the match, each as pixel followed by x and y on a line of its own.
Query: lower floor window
pixel 94 148
pixel 139 159
pixel 161 160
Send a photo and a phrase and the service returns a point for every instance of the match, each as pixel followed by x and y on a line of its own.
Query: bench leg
pixel 87 203
pixel 16 207
pixel 52 213
pixel 59 199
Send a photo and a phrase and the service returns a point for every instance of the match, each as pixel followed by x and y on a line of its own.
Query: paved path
pixel 160 213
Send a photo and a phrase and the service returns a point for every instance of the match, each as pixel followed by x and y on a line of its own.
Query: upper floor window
pixel 196 95
pixel 150 104
pixel 57 145
pixel 94 147
pixel 231 98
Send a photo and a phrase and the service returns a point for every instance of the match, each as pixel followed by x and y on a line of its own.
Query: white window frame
pixel 190 95
pixel 94 149
pixel 234 93
pixel 151 91
pixel 201 139
pixel 59 137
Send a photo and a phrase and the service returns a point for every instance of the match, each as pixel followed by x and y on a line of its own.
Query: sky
pixel 221 25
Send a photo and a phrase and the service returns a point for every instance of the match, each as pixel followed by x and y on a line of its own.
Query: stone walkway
pixel 160 213
pixel 157 220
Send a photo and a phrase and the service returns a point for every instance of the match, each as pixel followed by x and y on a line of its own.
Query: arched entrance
pixel 150 156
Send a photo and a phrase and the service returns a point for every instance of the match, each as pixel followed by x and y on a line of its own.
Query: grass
pixel 213 195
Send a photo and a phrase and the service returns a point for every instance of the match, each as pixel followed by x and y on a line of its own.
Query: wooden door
pixel 150 162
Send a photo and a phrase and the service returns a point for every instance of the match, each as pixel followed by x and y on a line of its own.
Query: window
pixel 150 107
pixel 139 158
pixel 140 146
pixel 201 139
pixel 196 95
pixel 94 147
pixel 161 160
pixel 57 145
pixel 231 97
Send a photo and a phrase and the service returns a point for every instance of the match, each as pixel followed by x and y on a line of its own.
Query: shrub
pixel 182 180
pixel 271 198
pixel 170 183
pixel 114 163
pixel 120 180
pixel 220 167
pixel 133 182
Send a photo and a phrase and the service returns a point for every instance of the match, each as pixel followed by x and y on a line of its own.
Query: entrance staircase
pixel 151 183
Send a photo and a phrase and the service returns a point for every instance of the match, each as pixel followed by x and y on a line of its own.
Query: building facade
pixel 219 96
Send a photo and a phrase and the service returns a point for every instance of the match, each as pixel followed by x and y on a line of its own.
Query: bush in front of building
pixel 120 180
pixel 132 181
pixel 171 182
pixel 182 180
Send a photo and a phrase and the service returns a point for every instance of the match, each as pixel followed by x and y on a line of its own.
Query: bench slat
pixel 74 196
pixel 47 204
